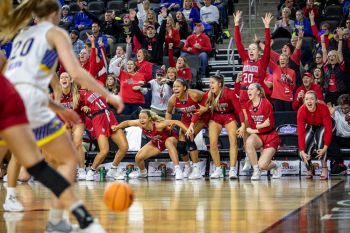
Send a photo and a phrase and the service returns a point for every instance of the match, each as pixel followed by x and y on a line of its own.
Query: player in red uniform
pixel 186 101
pixel 314 133
pixel 102 118
pixel 262 132
pixel 69 97
pixel 224 106
pixel 162 137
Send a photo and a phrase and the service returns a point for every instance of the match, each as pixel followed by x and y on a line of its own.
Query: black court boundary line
pixel 269 228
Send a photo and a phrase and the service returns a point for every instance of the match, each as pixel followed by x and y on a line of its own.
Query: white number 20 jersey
pixel 30 68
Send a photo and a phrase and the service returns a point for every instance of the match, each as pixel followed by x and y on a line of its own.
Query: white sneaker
pixel 115 174
pixel 187 171
pixel 178 174
pixel 90 176
pixel 81 174
pixel 94 227
pixel 196 173
pixel 138 174
pixel 276 172
pixel 233 173
pixel 247 165
pixel 256 174
pixel 12 204
pixel 217 173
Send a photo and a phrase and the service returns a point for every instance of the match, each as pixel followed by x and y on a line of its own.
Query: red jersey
pixel 228 103
pixel 158 138
pixel 127 82
pixel 67 102
pixel 145 68
pixel 253 71
pixel 320 117
pixel 92 100
pixel 282 87
pixel 187 109
pixel 313 87
pixel 259 114
pixel 98 69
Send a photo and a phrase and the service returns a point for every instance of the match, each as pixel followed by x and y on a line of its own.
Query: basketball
pixel 118 196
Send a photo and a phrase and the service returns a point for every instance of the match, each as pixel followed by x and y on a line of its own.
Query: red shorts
pixel 223 119
pixel 12 110
pixel 270 140
pixel 102 123
pixel 160 144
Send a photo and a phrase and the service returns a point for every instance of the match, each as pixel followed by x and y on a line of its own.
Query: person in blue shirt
pixel 172 5
pixel 66 20
pixel 95 28
pixel 302 24
pixel 81 20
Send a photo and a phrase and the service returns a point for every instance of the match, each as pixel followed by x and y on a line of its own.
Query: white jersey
pixel 30 68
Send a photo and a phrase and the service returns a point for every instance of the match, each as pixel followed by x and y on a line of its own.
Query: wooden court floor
pixel 166 205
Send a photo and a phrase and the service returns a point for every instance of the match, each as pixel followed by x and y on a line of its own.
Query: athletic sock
pixel 10 191
pixel 83 217
pixel 256 167
pixel 114 167
pixel 55 215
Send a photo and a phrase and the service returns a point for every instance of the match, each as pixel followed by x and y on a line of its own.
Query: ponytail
pixel 12 20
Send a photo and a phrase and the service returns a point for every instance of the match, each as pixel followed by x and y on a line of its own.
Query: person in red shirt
pixel 262 133
pixel 186 101
pixel 254 69
pixel 314 133
pixel 172 36
pixel 144 66
pixel 308 84
pixel 102 119
pixel 98 66
pixel 283 81
pixel 334 70
pixel 198 44
pixel 224 106
pixel 325 28
pixel 69 97
pixel 161 137
pixel 310 6
pixel 183 69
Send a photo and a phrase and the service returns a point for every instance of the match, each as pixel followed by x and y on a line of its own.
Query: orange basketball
pixel 118 196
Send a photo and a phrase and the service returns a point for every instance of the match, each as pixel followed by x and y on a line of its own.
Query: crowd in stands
pixel 125 48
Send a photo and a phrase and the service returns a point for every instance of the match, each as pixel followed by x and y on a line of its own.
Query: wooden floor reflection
pixel 178 206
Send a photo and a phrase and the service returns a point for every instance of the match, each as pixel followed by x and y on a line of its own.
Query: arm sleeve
pixel 296 56
pixel 274 56
pixel 237 106
pixel 296 102
pixel 162 31
pixel 137 32
pixel 92 16
pixel 301 129
pixel 172 61
pixel 242 53
pixel 206 45
pixel 319 93
pixel 315 32
pixel 93 63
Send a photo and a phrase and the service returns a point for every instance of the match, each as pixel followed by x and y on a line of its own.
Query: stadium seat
pixel 278 43
pixel 193 61
pixel 132 4
pixel 96 7
pixel 74 8
pixel 333 12
pixel 117 6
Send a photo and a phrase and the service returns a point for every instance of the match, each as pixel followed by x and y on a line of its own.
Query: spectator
pixel 334 69
pixel 81 20
pixel 172 36
pixel 318 77
pixel 95 28
pixel 142 8
pixel 171 75
pixel 302 23
pixel 126 28
pixel 66 20
pixel 344 20
pixel 78 44
pixel 283 84
pixel 182 25
pixel 290 5
pixel 182 68
pixel 341 139
pixel 131 90
pixel 285 23
pixel 161 92
pixel 144 66
pixel 311 7
pixel 111 84
pixel 152 18
pixel 222 7
pixel 190 12
pixel 308 85
pixel 121 57
pixel 152 41
pixel 84 59
pixel 314 133
pixel 318 61
pixel 209 13
pixel 171 5
pixel 198 44
pixel 98 66
pixel 325 30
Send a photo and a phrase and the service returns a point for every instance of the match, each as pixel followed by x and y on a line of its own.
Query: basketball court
pixel 291 204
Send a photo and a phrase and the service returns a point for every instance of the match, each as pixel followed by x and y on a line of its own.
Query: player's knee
pixel 123 148
pixel 191 144
pixel 138 158
pixel 181 148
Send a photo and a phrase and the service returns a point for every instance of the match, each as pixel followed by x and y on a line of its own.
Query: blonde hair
pixel 213 101
pixel 12 20
pixel 335 53
pixel 152 115
pixel 74 89
pixel 173 70
pixel 261 89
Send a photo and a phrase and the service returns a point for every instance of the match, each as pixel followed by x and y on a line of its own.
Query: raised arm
pixel 324 49
pixel 266 56
pixel 125 124
pixel 170 109
pixel 237 35
pixel 340 45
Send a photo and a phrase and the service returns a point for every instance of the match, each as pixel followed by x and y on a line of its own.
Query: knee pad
pixel 191 145
pixel 181 148
pixel 49 177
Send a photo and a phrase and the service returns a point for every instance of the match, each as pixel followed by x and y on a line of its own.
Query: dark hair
pixel 291 47
pixel 146 55
pixel 344 99
pixel 183 82
pixel 109 11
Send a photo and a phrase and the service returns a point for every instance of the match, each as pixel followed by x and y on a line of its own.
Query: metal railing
pixel 252 4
